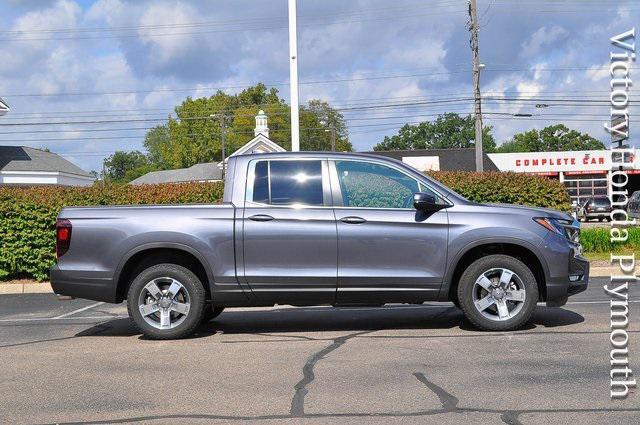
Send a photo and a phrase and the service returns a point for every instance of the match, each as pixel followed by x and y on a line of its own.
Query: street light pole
pixel 293 77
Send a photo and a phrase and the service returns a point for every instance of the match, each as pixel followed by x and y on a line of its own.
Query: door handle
pixel 353 220
pixel 260 217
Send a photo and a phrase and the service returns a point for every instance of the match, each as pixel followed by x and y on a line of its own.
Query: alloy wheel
pixel 499 294
pixel 164 303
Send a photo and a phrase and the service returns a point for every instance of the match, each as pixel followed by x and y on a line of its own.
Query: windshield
pixel 601 202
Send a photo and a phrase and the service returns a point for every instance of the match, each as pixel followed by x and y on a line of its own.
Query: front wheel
pixel 498 293
pixel 166 301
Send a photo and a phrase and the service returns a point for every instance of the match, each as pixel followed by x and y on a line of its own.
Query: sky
pixel 406 61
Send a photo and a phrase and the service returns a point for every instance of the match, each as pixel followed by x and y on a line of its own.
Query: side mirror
pixel 426 202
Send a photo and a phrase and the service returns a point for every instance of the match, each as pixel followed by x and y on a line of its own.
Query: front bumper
pixel 90 285
pixel 560 289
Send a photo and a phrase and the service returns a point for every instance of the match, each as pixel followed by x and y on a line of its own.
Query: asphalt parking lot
pixel 82 362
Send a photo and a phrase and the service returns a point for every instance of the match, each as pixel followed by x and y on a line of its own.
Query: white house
pixel 212 171
pixel 25 166
pixel 4 107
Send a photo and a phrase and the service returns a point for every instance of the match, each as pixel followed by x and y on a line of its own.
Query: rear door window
pixel 288 183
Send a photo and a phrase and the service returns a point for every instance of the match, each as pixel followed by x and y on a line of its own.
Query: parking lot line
pixel 71 313
pixel 48 319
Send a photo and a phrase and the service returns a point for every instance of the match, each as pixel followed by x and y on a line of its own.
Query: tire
pixel 211 313
pixel 488 312
pixel 173 299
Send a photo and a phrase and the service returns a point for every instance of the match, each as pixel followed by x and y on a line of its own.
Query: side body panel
pixel 394 256
pixel 103 239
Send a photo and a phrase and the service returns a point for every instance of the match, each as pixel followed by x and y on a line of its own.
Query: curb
pixel 45 287
pixel 25 288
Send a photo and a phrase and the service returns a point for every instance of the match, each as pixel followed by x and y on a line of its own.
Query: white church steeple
pixel 261 124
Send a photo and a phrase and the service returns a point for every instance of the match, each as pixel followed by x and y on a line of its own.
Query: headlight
pixel 560 226
pixel 549 224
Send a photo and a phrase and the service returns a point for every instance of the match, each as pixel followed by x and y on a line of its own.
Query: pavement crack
pixel 297 403
pixel 449 401
pixel 511 418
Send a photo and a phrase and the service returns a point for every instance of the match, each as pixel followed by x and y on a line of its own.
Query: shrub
pixel 598 240
pixel 507 188
pixel 28 215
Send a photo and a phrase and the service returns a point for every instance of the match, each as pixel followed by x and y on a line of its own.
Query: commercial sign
pixel 554 162
pixel 423 163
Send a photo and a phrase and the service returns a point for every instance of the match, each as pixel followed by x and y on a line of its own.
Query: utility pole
pixel 293 77
pixel 333 138
pixel 222 140
pixel 473 28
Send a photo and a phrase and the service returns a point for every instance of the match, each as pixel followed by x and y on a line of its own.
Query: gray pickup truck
pixel 319 228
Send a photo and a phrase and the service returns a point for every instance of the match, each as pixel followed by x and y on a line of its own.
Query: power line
pixel 310 82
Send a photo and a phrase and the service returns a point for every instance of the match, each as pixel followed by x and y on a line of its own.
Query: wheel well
pixel 523 254
pixel 150 257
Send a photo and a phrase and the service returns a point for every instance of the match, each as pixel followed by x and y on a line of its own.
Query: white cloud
pixel 543 37
pixel 598 72
pixel 167 48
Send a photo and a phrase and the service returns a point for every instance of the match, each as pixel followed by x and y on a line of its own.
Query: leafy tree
pixel 155 141
pixel 449 130
pixel 194 136
pixel 552 138
pixel 117 165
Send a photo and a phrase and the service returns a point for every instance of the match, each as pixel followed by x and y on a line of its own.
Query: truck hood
pixel 535 211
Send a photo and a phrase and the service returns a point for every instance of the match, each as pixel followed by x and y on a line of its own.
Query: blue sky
pixel 60 62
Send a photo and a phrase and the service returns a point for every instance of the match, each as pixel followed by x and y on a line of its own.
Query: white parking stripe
pixel 45 319
pixel 71 313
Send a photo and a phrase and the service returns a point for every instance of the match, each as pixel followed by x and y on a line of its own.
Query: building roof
pixel 23 158
pixel 199 172
pixel 463 159
pixel 259 144
pixel 4 107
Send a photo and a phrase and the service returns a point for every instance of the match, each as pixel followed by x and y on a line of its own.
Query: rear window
pixel 288 183
pixel 601 202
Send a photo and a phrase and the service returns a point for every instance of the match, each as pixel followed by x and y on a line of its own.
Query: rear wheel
pixel 498 293
pixel 166 301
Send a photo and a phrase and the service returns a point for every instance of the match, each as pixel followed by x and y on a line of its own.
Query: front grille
pixel 572 233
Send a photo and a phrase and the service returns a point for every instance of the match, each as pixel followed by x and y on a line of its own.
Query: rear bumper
pixel 598 215
pixel 83 284
pixel 560 289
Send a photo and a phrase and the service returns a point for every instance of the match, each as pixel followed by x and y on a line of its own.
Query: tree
pixel 448 131
pixel 155 141
pixel 193 136
pixel 120 163
pixel 552 138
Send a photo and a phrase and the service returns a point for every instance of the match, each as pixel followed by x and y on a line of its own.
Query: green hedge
pixel 28 215
pixel 598 240
pixel 507 188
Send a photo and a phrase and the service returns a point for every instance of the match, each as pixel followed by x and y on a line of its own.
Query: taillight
pixel 63 236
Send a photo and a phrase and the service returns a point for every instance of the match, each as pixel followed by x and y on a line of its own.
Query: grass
pixel 605 256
